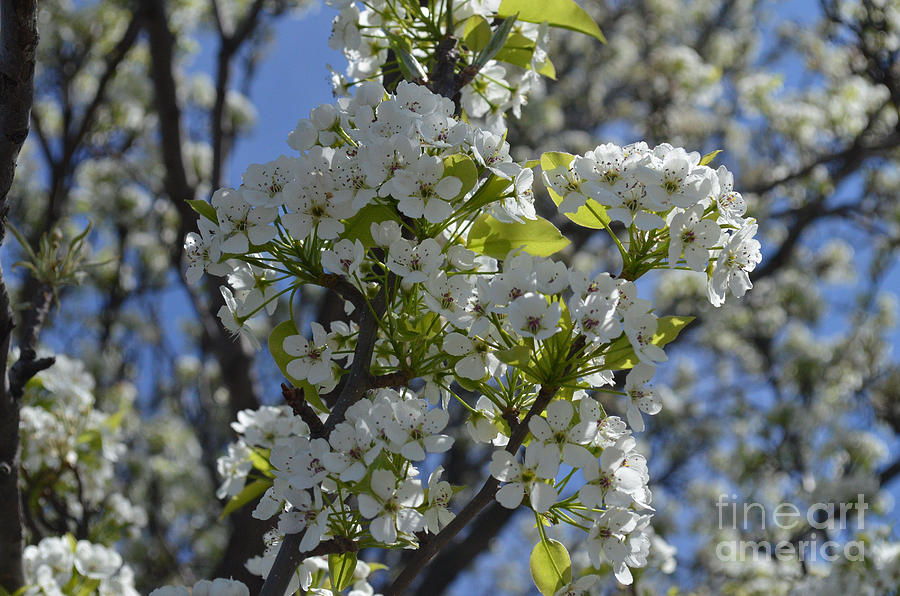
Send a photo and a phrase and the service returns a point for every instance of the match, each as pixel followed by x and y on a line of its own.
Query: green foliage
pixel 517 356
pixel 462 167
pixel 340 569
pixel 551 567
pixel 250 493
pixel 496 43
pixel 558 13
pixel 518 51
pixel 707 159
pixel 359 228
pixel 476 33
pixel 494 238
pixel 621 355
pixel 204 209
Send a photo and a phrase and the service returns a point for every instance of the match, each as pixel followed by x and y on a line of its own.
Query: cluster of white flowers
pixel 666 189
pixel 205 587
pixel 378 440
pixel 66 439
pixel 62 565
pixel 393 199
pixel 312 573
pixel 364 36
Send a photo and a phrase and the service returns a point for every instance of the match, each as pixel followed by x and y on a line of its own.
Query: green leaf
pixel 88 587
pixel 359 227
pixel 707 159
pixel 476 33
pixel 517 356
pixel 204 209
pixel 250 493
pixel 494 238
pixel 558 13
pixel 341 568
pixel 590 215
pixel 282 358
pixel 498 40
pixel 260 460
pixel 93 438
pixel 462 167
pixel 551 567
pixel 621 356
pixel 518 51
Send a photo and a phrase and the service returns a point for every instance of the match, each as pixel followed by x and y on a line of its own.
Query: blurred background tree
pixel 790 395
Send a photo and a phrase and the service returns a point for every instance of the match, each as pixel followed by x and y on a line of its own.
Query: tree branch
pixel 18 50
pixel 358 382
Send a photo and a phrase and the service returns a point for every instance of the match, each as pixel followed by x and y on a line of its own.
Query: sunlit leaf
pixel 494 238
pixel 558 13
pixel 551 567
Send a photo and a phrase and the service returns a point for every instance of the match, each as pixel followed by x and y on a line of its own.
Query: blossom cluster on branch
pixel 427 230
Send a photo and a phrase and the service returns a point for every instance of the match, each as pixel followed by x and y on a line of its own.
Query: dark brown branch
pixel 297 400
pixel 18 50
pixel 358 382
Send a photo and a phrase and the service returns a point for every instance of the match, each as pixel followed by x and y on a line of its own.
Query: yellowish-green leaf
pixel 551 567
pixel 621 356
pixel 260 460
pixel 517 356
pixel 88 587
pixel 558 13
pixel 340 569
pixel 250 493
pixel 494 238
pixel 204 209
pixel 476 33
pixel 518 51
pixel 359 228
pixel 276 348
pixel 498 40
pixel 707 159
pixel 462 167
pixel 590 215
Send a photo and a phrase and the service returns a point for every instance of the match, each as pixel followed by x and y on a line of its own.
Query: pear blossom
pixel 315 206
pixel 391 506
pixel 307 514
pixel 483 423
pixel 673 180
pixel 354 446
pixel 234 318
pixel 422 190
pixel 263 183
pixel 477 355
pixel 240 224
pixel 531 316
pixel 312 359
pixel 345 257
pixel 640 326
pixel 415 431
pixel 641 398
pixel 557 431
pixel 692 236
pixel 526 478
pixel 568 184
pixel 414 263
pixel 738 257
pixel 202 252
pixel 439 492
